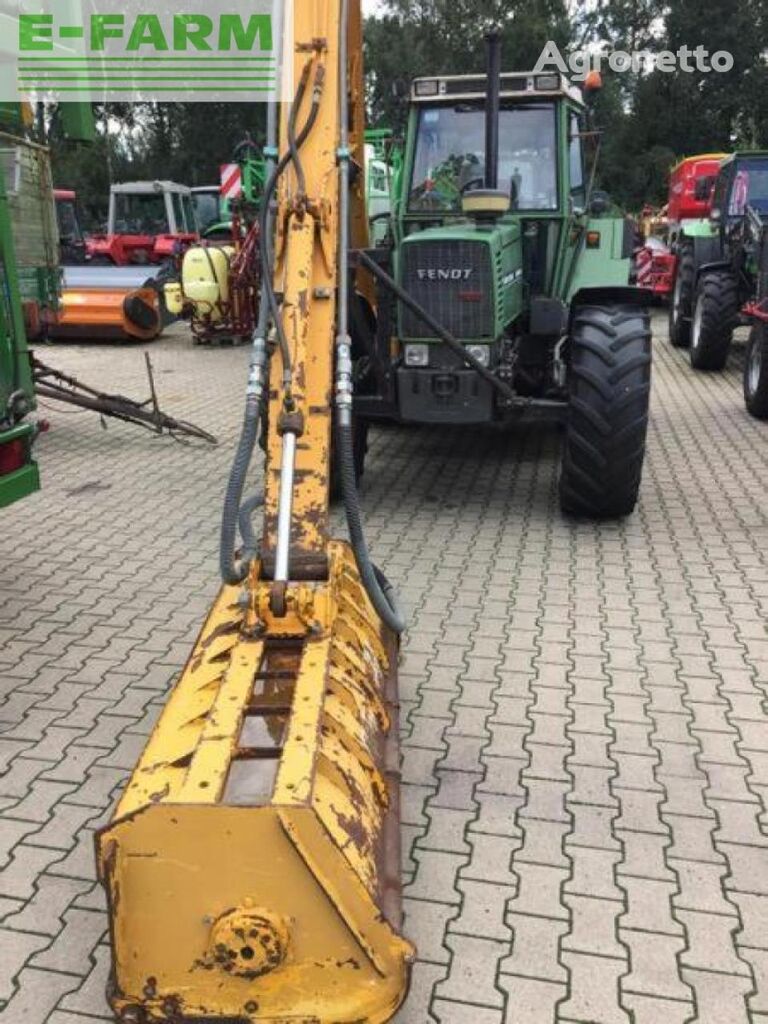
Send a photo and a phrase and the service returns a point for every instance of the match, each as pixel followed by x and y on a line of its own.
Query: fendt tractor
pixel 506 286
pixel 252 864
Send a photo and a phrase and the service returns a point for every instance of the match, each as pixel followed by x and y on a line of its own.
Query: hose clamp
pixel 255 386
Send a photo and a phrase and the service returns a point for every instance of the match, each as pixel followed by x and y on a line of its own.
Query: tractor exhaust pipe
pixel 492 107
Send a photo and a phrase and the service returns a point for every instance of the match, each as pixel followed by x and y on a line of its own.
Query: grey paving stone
pixel 586 755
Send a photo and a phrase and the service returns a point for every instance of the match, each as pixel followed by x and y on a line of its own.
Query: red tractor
pixel 149 222
pixel 690 188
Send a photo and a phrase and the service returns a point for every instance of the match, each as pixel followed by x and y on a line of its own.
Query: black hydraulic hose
pixel 378 588
pixel 232 571
pixel 453 344
pixel 265 241
pixel 381 592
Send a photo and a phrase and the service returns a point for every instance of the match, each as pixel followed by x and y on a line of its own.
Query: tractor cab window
pixel 189 214
pixel 140 214
pixel 750 188
pixel 69 226
pixel 206 208
pixel 450 156
pixel 576 162
pixel 182 213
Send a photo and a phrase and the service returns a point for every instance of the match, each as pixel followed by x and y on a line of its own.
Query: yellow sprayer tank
pixel 205 279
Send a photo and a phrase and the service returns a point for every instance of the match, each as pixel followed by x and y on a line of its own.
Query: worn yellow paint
pixel 252 860
pixel 189 871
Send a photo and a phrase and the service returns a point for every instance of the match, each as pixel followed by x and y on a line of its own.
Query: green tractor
pixel 725 273
pixel 505 287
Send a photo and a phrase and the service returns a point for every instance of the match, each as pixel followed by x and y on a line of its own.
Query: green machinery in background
pixel 383 179
pixel 29 281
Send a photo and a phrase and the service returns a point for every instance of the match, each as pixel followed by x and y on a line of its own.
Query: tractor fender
pixel 708 266
pixel 706 249
pixel 626 295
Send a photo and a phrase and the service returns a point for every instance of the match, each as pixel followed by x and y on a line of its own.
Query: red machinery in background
pixel 689 200
pixel 149 222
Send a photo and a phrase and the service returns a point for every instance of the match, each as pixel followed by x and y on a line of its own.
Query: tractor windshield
pixel 140 213
pixel 450 156
pixel 69 226
pixel 750 188
pixel 206 208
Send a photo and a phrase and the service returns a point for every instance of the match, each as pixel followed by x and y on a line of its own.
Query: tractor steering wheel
pixel 479 180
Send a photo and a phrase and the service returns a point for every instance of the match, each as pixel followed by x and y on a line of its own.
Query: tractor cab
pixel 447 156
pixel 208 205
pixel 149 222
pixel 742 183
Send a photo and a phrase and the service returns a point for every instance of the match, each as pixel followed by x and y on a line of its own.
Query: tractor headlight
pixel 482 353
pixel 548 83
pixel 417 355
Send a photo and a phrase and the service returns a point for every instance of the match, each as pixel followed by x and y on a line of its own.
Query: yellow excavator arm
pixel 252 864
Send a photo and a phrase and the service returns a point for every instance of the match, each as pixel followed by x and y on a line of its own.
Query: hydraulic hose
pixel 378 588
pixel 235 571
pixel 267 260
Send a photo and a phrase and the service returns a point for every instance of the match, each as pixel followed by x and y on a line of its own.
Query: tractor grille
pixel 453 281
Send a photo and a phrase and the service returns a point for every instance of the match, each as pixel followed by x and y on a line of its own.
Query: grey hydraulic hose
pixel 378 588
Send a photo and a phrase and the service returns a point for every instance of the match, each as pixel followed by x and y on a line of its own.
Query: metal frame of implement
pixel 252 865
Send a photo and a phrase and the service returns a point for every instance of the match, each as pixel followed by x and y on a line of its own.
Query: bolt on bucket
pixel 252 865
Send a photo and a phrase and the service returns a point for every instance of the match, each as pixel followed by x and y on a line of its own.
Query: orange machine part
pixel 107 313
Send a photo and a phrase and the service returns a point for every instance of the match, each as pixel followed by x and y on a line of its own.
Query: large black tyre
pixel 756 373
pixel 681 300
pixel 714 318
pixel 609 388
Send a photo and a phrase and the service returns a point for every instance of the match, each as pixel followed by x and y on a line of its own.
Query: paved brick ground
pixel 586 740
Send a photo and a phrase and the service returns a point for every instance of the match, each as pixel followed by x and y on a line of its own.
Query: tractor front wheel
pixel 756 373
pixel 714 317
pixel 682 299
pixel 609 392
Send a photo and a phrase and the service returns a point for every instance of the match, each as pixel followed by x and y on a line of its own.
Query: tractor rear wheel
pixel 756 373
pixel 609 391
pixel 682 299
pixel 714 317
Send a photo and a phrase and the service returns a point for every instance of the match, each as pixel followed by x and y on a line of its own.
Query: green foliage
pixel 649 120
